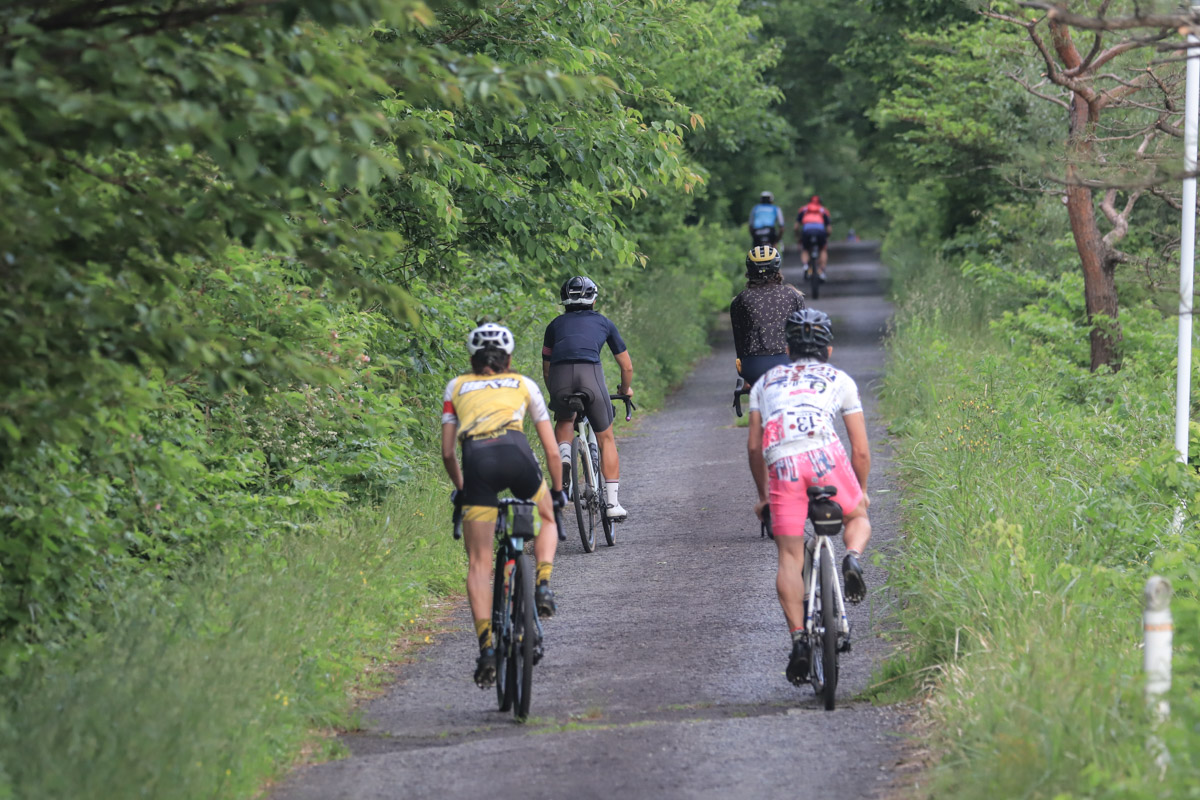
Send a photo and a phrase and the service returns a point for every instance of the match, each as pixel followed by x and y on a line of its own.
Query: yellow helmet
pixel 762 260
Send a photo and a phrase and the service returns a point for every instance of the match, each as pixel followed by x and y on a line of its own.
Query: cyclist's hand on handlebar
pixel 559 498
pixel 759 507
pixel 627 391
pixel 454 495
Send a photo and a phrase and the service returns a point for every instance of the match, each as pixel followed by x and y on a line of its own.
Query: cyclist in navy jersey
pixel 571 364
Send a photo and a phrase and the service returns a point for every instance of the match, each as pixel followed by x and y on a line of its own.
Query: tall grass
pixel 1037 498
pixel 202 690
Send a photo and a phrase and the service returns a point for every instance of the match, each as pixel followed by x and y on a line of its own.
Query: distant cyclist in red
pixel 813 226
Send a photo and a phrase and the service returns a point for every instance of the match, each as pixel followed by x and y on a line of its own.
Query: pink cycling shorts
pixel 790 477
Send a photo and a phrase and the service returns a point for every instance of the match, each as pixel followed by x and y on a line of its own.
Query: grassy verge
pixel 1037 500
pixel 202 691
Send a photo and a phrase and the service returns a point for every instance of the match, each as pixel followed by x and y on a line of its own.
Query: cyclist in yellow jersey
pixel 484 410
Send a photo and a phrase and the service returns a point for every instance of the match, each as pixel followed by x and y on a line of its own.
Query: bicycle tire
pixel 816 669
pixel 524 637
pixel 814 278
pixel 610 530
pixel 501 625
pixel 580 492
pixel 829 619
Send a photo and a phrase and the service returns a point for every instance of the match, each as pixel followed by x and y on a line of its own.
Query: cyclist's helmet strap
pixel 762 260
pixel 578 291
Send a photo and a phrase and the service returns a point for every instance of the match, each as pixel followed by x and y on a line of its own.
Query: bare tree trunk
pixel 1099 283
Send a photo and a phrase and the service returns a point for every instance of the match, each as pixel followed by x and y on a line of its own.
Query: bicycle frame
pixel 824 549
pixel 509 546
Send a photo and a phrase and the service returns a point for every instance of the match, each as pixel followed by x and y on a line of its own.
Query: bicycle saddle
pixel 817 492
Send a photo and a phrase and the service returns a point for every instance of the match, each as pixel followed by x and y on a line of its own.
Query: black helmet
pixel 808 331
pixel 578 291
pixel 762 260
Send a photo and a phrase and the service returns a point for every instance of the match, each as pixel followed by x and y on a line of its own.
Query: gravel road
pixel 663 674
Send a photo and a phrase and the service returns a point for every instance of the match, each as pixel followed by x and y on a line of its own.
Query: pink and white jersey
pixel 799 403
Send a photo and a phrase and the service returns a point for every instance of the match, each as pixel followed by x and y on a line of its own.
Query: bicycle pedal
pixel 845 647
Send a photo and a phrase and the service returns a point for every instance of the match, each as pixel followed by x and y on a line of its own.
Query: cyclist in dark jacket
pixel 759 313
pixel 571 363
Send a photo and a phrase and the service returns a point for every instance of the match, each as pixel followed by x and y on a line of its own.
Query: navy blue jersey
pixel 577 336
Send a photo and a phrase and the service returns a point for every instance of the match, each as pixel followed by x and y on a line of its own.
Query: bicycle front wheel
pixel 829 621
pixel 610 532
pixel 524 639
pixel 501 630
pixel 583 492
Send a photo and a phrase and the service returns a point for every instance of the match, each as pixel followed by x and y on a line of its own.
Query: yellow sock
pixel 483 629
pixel 543 571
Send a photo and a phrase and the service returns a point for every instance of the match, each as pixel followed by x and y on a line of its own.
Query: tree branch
pixel 1059 14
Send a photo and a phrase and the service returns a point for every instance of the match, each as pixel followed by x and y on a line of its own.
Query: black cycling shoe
pixel 567 479
pixel 856 587
pixel 798 663
pixel 485 668
pixel 543 598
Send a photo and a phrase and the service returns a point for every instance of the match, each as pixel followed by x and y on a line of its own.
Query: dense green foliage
pixel 245 240
pixel 243 246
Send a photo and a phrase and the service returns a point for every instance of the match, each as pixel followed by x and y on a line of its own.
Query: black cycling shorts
pixel 492 465
pixel 586 378
pixel 809 238
pixel 754 367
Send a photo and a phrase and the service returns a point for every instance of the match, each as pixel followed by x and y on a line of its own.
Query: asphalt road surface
pixel 663 675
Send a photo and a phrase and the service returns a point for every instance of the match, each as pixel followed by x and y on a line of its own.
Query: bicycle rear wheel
pixel 501 631
pixel 524 636
pixel 610 531
pixel 829 621
pixel 583 493
pixel 814 276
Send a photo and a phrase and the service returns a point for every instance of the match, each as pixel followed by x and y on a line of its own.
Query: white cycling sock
pixel 564 450
pixel 611 489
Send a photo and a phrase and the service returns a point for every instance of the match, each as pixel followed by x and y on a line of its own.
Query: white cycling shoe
pixel 615 512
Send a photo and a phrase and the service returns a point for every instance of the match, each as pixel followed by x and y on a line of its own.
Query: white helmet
pixel 489 334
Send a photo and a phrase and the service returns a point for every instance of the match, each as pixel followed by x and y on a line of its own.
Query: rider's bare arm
pixel 449 458
pixel 860 449
pixel 626 365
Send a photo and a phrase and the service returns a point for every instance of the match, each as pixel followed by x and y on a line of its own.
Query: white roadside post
pixel 1187 255
pixel 1158 630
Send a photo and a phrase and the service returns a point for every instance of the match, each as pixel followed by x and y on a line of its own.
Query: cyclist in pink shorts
pixel 793 444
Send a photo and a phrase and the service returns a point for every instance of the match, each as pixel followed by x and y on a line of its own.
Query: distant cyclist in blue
pixel 766 222
pixel 571 364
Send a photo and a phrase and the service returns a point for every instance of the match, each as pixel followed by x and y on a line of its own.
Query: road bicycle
pixel 587 479
pixel 516 629
pixel 813 273
pixel 742 389
pixel 825 620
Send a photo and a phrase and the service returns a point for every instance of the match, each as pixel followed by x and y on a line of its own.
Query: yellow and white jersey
pixel 483 406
